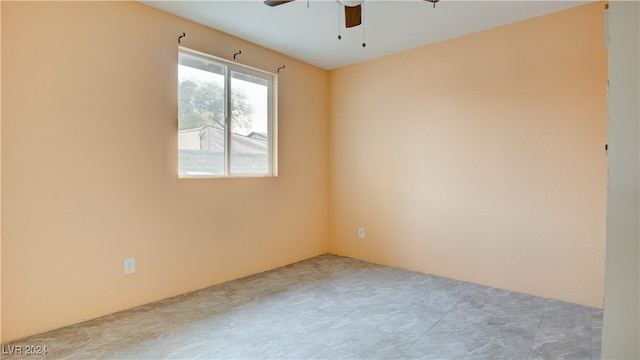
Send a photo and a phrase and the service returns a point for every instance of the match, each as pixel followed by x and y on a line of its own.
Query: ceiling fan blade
pixel 276 2
pixel 353 15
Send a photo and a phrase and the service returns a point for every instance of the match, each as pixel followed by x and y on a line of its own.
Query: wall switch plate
pixel 361 233
pixel 129 266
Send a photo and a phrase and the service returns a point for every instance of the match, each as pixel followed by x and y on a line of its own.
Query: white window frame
pixel 272 101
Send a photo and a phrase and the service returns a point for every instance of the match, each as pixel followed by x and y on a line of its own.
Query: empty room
pixel 320 179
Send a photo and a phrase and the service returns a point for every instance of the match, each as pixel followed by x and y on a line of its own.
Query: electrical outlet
pixel 361 233
pixel 129 266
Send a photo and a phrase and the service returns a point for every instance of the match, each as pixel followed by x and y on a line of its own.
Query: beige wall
pixel 89 152
pixel 480 158
pixel 621 327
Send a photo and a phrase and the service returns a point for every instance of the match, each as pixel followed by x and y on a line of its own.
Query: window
pixel 226 118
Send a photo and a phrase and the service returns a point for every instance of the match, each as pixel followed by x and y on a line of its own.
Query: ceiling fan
pixel 352 9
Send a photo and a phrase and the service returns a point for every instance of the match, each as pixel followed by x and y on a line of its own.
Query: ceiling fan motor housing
pixel 350 3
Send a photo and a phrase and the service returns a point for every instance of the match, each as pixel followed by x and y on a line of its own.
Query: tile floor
pixel 331 307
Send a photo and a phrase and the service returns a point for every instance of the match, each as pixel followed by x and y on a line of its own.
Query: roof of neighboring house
pixel 211 138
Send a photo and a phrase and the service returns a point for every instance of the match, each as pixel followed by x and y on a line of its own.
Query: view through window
pixel 226 118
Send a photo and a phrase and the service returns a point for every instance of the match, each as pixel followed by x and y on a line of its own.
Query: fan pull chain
pixel 339 28
pixel 364 43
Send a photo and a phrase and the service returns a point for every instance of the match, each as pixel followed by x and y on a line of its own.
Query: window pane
pixel 201 116
pixel 249 123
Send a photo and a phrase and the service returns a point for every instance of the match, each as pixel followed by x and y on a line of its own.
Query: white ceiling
pixel 308 31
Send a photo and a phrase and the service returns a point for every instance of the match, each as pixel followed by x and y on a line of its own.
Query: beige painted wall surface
pixel 480 158
pixel 89 167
